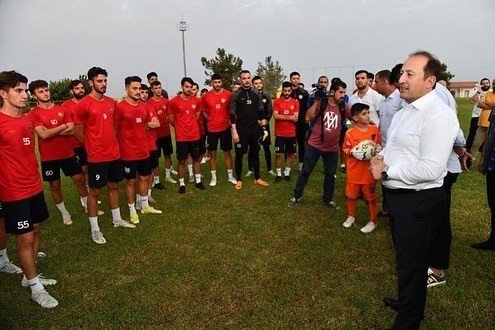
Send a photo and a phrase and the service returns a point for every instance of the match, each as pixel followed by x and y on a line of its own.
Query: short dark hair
pixel 196 84
pixel 33 85
pixel 203 90
pixel 321 77
pixel 286 84
pixel 395 73
pixel 481 81
pixel 294 73
pixel 10 79
pixel 256 78
pixel 244 71
pixel 237 83
pixel 186 79
pixel 384 74
pixel 337 84
pixel 370 75
pixel 74 83
pixel 216 76
pixel 357 108
pixel 361 71
pixel 94 71
pixel 301 84
pixel 433 67
pixel 131 79
pixel 335 79
pixel 155 83
pixel 144 87
pixel 151 74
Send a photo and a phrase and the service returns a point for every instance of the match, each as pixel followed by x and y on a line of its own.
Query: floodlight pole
pixel 182 27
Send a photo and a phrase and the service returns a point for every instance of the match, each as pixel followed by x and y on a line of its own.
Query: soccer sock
pixel 373 210
pixel 144 202
pixel 138 198
pixel 116 214
pixel 214 175
pixel 93 221
pixel 149 193
pixel 62 209
pixel 3 257
pixel 230 174
pixel 279 171
pixel 197 177
pixel 167 172
pixel 190 169
pixel 34 284
pixel 351 207
pixel 156 179
pixel 132 208
pixel 287 171
pixel 84 201
pixel 181 182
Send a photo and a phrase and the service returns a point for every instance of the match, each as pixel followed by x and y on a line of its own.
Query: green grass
pixel 226 258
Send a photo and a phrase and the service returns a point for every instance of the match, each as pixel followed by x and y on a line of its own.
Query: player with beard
pixel 54 125
pixel 302 96
pixel 214 105
pixel 184 111
pixel 94 127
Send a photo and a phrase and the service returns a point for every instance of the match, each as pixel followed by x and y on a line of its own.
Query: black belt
pixel 409 191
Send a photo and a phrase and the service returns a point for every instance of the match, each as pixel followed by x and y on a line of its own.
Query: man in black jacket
pixel 301 95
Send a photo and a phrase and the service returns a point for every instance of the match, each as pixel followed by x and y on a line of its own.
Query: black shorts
pixel 285 145
pixel 154 158
pixel 247 140
pixel 99 174
pixel 20 216
pixel 134 167
pixel 51 169
pixel 202 144
pixel 225 138
pixel 81 156
pixel 187 147
pixel 1 211
pixel 164 144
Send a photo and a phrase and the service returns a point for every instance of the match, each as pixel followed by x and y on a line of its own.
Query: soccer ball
pixel 368 149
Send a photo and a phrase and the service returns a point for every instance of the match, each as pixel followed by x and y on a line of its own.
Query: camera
pixel 319 91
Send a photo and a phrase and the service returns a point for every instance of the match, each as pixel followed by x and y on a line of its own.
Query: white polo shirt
pixel 371 98
pixel 420 141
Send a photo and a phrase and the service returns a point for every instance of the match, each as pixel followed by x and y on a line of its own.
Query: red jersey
pixel 131 122
pixel 216 106
pixel 287 107
pixel 100 141
pixel 185 114
pixel 161 108
pixel 358 171
pixel 56 147
pixel 151 132
pixel 19 173
pixel 70 105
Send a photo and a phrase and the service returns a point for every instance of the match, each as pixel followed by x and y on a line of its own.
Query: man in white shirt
pixel 412 167
pixel 475 115
pixel 365 94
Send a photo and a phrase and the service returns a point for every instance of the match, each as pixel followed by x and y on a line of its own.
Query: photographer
pixel 328 113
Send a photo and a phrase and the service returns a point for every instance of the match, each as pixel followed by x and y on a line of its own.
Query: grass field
pixel 222 258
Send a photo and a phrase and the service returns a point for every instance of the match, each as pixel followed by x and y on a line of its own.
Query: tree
pixel 272 75
pixel 445 74
pixel 59 89
pixel 224 64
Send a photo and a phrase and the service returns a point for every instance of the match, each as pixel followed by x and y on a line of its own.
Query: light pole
pixel 182 27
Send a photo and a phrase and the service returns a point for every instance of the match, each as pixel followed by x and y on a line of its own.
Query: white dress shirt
pixel 388 108
pixel 420 140
pixel 371 98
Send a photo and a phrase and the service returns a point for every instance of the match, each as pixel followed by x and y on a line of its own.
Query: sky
pixel 59 39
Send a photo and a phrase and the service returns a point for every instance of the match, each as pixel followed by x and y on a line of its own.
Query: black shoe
pixel 182 190
pixel 382 214
pixel 200 185
pixel 343 169
pixel 392 303
pixel 278 178
pixel 332 205
pixel 287 178
pixel 487 245
pixel 159 185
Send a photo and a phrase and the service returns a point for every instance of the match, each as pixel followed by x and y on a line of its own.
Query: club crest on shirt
pixel 60 114
pixel 159 112
pixel 223 100
pixel 264 100
pixel 193 106
pixel 292 107
pixel 300 96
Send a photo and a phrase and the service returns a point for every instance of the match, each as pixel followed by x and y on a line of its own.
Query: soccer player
pixel 286 114
pixel 302 96
pixel 359 178
pixel 131 122
pixel 6 266
pixel 153 76
pixel 54 125
pixel 215 106
pixel 184 111
pixel 21 192
pixel 247 112
pixel 94 126
pixel 164 139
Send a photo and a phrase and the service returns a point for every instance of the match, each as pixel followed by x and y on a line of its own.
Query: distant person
pixel 236 86
pixel 486 103
pixel 153 76
pixel 302 96
pixel 365 94
pixel 475 98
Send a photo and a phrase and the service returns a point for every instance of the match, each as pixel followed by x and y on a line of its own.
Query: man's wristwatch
pixel 384 174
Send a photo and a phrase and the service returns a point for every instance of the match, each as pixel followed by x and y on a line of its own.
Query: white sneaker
pixel 203 160
pixel 350 220
pixel 169 179
pixel 123 223
pixel 10 268
pixel 97 237
pixel 41 254
pixel 151 200
pixel 44 299
pixel 150 210
pixel 213 183
pixel 272 173
pixel 44 281
pixel 100 212
pixel 249 173
pixel 191 178
pixel 233 180
pixel 67 220
pixel 174 172
pixel 370 226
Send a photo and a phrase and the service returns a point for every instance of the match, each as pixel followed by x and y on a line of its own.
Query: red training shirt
pixel 70 105
pixel 161 108
pixel 216 106
pixel 287 107
pixel 185 118
pixel 151 132
pixel 131 122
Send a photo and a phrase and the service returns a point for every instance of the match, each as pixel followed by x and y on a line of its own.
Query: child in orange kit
pixel 359 178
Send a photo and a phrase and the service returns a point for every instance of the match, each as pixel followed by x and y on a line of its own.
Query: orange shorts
pixel 368 190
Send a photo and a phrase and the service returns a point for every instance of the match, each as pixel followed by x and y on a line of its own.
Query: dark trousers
pixel 473 126
pixel 490 194
pixel 268 158
pixel 419 221
pixel 301 131
pixel 311 157
pixel 250 144
pixel 384 199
